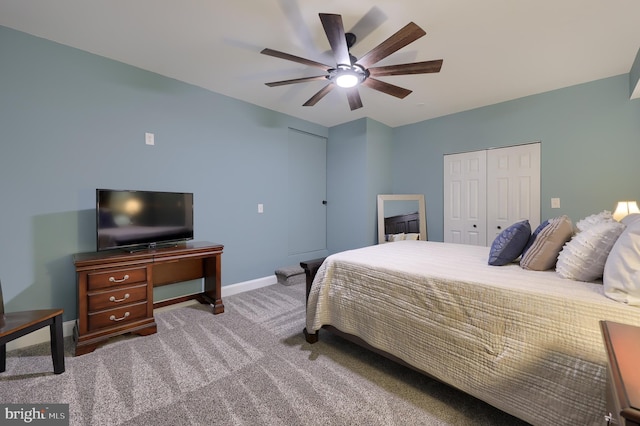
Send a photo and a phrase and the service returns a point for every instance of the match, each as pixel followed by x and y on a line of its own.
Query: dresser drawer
pixel 113 277
pixel 108 299
pixel 117 317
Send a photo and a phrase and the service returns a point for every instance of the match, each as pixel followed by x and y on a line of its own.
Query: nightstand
pixel 622 343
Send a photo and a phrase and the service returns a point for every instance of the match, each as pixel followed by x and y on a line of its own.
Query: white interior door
pixel 513 187
pixel 465 198
pixel 307 163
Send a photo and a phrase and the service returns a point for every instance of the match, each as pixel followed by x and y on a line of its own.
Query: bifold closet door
pixel 465 180
pixel 513 187
pixel 486 191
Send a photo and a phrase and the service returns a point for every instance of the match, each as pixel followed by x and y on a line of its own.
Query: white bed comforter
pixel 526 342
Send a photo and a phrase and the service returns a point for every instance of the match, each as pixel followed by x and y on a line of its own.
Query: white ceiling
pixel 493 50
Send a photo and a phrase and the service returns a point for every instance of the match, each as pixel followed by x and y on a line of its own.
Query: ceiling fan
pixel 351 72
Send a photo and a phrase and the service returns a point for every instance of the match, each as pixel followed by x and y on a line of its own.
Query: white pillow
pixel 412 236
pixel 396 237
pixel 594 219
pixel 630 218
pixel 583 258
pixel 622 270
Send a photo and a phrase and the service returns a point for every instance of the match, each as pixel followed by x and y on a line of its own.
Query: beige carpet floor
pixel 248 366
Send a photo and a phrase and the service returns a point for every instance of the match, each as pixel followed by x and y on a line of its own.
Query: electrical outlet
pixel 260 208
pixel 555 203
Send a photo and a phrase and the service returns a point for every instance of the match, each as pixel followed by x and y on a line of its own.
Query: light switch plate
pixel 149 139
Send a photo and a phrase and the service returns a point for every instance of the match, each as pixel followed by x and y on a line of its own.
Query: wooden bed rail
pixel 310 270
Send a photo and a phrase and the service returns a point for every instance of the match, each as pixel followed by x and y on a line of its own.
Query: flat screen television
pixel 129 219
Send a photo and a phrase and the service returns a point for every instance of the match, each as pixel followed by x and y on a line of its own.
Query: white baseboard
pixel 230 290
pixel 42 335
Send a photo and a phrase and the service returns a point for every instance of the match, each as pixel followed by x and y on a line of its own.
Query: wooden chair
pixel 18 324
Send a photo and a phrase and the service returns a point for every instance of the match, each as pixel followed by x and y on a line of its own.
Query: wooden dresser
pixel 622 343
pixel 115 288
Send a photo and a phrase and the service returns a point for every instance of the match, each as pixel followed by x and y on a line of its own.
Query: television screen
pixel 130 219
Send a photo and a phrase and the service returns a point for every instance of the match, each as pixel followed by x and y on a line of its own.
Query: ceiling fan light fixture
pixel 347 79
pixel 348 75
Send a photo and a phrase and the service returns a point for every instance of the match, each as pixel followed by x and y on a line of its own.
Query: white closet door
pixel 487 191
pixel 513 187
pixel 465 198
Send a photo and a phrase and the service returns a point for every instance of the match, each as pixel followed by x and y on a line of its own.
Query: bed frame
pixel 407 223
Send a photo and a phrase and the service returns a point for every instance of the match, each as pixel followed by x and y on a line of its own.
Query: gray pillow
pixel 534 234
pixel 542 254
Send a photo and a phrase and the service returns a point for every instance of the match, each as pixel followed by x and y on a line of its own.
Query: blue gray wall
pixel 346 186
pixel 590 146
pixel 71 122
pixel 379 154
pixel 358 169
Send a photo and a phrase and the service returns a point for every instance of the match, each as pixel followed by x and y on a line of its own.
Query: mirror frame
pixel 402 197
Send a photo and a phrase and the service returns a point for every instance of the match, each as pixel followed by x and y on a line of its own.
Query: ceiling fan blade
pixel 291 10
pixel 319 95
pixel 296 80
pixel 354 98
pixel 298 59
pixel 384 87
pixel 368 23
pixel 411 68
pixel 408 34
pixel 335 34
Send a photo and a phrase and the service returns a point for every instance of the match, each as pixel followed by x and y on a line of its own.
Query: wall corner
pixel 634 78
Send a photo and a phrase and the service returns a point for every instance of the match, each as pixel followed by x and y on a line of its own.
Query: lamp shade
pixel 625 208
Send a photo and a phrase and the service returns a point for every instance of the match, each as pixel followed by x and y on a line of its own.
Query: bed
pixel 526 342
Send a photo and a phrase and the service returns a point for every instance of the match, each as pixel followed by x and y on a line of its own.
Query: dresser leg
pixel 82 349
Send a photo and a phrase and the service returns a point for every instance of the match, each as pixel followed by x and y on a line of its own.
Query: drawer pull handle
pixel 609 419
pixel 113 280
pixel 113 298
pixel 113 317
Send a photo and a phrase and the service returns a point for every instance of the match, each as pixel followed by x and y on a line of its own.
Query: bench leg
pixel 3 358
pixel 57 344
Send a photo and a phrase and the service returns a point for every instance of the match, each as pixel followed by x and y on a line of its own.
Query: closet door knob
pixel 499 227
pixel 474 225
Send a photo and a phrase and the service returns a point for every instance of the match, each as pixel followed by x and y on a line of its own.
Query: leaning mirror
pixel 401 214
